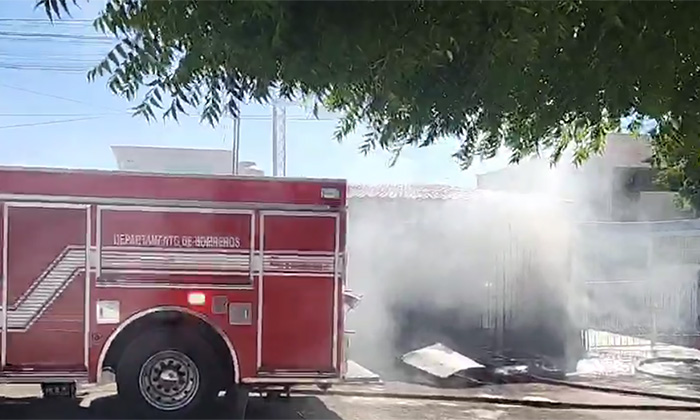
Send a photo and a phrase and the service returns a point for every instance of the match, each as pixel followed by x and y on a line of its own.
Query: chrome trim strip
pixel 195 262
pixel 252 247
pixel 302 213
pixel 299 274
pixel 300 254
pixel 98 242
pixel 88 283
pixel 208 273
pixel 5 224
pixel 336 293
pixel 158 203
pixel 178 209
pixel 290 373
pixel 173 273
pixel 46 205
pixel 293 263
pixel 42 377
pixel 261 244
pixel 138 315
pixel 288 380
pixel 43 374
pixel 178 260
pixel 186 286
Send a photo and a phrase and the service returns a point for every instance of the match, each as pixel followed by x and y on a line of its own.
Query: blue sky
pixel 42 79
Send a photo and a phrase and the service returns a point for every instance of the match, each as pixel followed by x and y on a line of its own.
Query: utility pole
pixel 236 144
pixel 279 138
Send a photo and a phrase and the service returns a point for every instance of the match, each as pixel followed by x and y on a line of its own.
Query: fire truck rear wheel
pixel 167 373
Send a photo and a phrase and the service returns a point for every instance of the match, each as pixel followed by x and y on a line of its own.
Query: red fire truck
pixel 180 286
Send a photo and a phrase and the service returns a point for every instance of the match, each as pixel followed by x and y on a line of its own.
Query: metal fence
pixel 640 280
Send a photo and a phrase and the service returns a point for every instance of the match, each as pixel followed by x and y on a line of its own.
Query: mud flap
pixel 237 401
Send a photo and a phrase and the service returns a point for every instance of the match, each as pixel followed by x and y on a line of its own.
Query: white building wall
pixel 597 186
pixel 181 161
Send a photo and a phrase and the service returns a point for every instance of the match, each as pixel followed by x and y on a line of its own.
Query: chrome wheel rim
pixel 169 380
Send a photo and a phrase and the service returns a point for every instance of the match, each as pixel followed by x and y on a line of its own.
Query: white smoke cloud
pixel 491 259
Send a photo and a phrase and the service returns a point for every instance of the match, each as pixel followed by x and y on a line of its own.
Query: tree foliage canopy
pixel 528 75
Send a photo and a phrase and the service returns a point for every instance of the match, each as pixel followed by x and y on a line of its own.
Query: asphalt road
pixel 23 402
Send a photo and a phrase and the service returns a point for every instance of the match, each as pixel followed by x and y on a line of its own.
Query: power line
pixel 48 95
pixel 20 115
pixel 242 117
pixel 59 40
pixel 293 118
pixel 55 42
pixel 72 56
pixel 251 117
pixel 43 68
pixel 53 122
pixel 2 127
pixel 57 36
pixel 46 21
pixel 296 118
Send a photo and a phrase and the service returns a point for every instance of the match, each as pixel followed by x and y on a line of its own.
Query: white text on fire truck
pixel 176 241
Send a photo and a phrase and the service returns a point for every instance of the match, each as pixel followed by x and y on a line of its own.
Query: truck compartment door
pixel 299 293
pixel 45 266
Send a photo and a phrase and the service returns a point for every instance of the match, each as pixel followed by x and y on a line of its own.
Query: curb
pixel 499 400
pixel 622 391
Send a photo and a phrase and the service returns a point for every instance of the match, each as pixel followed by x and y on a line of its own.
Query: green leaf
pixel 531 77
pixel 113 58
pixel 120 50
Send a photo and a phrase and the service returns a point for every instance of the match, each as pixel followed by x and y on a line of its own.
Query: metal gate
pixel 527 293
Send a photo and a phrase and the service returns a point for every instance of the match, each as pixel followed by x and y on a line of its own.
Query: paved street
pixel 363 408
pixel 22 402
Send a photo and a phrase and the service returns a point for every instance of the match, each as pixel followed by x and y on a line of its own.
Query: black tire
pixel 162 362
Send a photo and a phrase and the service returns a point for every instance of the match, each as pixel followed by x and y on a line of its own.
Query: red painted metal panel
pixel 298 308
pixel 175 247
pixel 155 187
pixel 133 301
pixel 299 233
pixel 55 341
pixel 175 229
pixel 46 289
pixel 297 324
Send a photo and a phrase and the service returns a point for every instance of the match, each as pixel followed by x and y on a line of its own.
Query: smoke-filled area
pixel 456 271
pixel 505 272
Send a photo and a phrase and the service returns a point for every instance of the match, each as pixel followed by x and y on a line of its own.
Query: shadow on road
pixel 109 408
